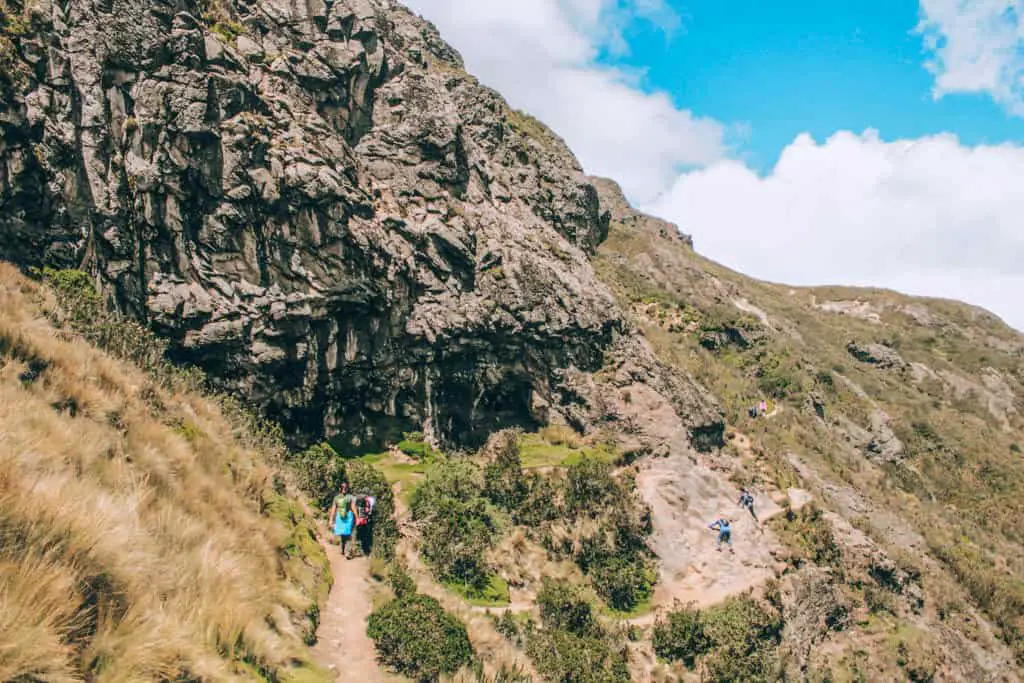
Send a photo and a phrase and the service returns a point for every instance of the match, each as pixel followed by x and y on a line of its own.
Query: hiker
pixel 747 501
pixel 722 525
pixel 343 518
pixel 363 508
pixel 752 412
pixel 763 408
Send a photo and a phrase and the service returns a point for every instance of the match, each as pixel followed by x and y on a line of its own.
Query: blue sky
pixel 810 143
pixel 785 68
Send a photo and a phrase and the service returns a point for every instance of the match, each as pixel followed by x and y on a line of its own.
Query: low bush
pixel 319 472
pixel 414 635
pixel 744 639
pixel 590 487
pixel 459 526
pixel 401 583
pixel 505 483
pixel 734 641
pixel 564 607
pixel 809 532
pixel 544 501
pixel 572 646
pixel 681 637
pixel 623 584
pixel 562 656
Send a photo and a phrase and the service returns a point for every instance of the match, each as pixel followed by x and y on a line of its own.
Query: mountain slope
pixel 141 537
pixel 904 415
pixel 317 205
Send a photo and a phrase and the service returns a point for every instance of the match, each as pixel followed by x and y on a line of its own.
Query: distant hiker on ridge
pixel 343 517
pixel 722 525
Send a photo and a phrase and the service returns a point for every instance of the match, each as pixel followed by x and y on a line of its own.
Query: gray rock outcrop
pixel 316 204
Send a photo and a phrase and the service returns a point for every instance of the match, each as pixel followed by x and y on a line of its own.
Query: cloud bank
pixel 927 216
pixel 544 57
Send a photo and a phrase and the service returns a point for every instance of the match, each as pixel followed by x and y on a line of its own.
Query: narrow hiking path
pixel 342 644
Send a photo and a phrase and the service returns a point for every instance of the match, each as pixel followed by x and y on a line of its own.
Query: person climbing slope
pixel 747 501
pixel 724 528
pixel 343 518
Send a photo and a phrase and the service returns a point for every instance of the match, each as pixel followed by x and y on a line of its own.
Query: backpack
pixel 364 506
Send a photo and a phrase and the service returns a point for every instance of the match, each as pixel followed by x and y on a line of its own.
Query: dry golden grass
pixel 135 536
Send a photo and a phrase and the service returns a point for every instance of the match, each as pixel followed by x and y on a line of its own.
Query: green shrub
pixel 319 472
pixel 414 445
pixel 510 625
pixel 418 638
pixel 564 607
pixel 778 377
pixel 623 584
pixel 455 541
pixel 401 583
pixel 543 502
pixel 228 30
pixel 504 481
pixel 808 531
pixel 744 638
pixel 365 478
pixel 590 488
pixel 459 525
pixel 681 638
pixel 457 481
pixel 566 657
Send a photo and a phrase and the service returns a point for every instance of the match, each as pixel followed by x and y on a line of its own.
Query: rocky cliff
pixel 319 207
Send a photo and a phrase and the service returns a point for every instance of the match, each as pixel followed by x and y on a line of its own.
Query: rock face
pixel 318 206
pixel 876 354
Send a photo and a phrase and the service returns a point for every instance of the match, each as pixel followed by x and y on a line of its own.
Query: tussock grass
pixel 135 542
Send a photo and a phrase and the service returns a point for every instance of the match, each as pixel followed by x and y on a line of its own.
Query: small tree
pixel 681 638
pixel 319 472
pixel 590 487
pixel 504 481
pixel 623 584
pixel 563 607
pixel 418 638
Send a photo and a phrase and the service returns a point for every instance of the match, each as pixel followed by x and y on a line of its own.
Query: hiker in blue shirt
pixel 722 525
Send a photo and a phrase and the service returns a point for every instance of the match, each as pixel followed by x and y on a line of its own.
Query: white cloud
pixel 978 47
pixel 542 55
pixel 928 216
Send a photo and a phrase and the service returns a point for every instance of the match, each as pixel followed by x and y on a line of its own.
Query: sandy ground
pixel 342 643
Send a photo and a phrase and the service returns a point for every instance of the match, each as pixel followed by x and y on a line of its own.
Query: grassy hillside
pixel 144 534
pixel 904 415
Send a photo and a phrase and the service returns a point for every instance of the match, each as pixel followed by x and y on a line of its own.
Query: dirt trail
pixel 342 644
